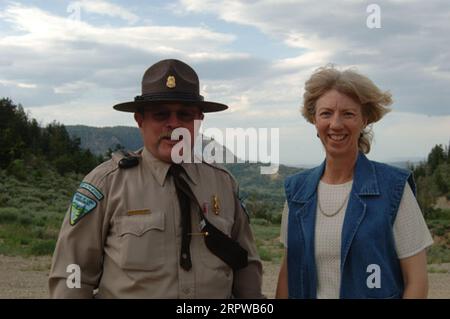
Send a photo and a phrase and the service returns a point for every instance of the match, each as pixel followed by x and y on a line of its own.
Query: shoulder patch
pixel 80 207
pixel 92 189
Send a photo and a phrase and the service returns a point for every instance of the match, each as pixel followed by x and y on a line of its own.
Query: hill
pixel 100 140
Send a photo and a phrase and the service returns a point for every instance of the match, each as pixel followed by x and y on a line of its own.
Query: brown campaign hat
pixel 170 81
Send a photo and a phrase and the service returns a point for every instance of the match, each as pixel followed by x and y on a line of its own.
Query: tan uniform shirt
pixel 128 246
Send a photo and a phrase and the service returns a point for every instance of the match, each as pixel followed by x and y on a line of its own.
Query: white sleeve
pixel 284 225
pixel 411 233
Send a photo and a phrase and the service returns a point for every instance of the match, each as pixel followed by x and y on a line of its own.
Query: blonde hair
pixel 374 102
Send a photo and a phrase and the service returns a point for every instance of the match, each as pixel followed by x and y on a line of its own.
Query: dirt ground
pixel 27 278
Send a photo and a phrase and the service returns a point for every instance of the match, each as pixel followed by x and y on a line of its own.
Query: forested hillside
pixel 24 144
pixel 433 184
pixel 40 168
pixel 433 178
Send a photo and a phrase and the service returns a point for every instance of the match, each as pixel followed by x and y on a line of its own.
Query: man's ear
pixel 139 118
pixel 202 116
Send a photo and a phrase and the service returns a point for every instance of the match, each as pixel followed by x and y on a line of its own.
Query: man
pixel 140 226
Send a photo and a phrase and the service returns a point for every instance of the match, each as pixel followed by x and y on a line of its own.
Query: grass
pixel 267 237
pixel 32 210
pixel 439 224
pixel 434 270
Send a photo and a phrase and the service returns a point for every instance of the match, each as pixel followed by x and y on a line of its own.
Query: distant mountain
pixel 99 139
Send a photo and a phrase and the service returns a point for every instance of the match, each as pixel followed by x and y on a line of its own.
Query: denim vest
pixel 370 267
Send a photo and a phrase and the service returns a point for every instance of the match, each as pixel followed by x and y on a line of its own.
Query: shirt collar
pixel 364 180
pixel 160 168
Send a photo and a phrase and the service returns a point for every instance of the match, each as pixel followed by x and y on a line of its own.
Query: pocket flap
pixel 140 224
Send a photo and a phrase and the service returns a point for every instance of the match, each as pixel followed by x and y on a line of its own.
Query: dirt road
pixel 27 278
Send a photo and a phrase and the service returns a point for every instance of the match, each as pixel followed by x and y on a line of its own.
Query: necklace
pixel 337 211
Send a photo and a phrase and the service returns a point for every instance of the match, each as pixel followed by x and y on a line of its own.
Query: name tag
pixel 138 212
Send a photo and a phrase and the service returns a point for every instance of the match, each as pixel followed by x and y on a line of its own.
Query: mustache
pixel 167 135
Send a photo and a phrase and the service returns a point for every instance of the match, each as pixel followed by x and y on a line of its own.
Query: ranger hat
pixel 170 81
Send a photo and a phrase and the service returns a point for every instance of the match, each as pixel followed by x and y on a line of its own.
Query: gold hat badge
pixel 215 204
pixel 171 83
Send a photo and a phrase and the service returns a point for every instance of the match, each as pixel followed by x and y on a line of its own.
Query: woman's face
pixel 339 122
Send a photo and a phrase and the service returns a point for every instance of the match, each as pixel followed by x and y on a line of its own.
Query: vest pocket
pixel 142 242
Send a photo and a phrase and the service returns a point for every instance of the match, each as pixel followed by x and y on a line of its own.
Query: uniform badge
pixel 215 204
pixel 81 206
pixel 171 82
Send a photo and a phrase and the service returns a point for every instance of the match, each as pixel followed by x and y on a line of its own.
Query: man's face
pixel 158 122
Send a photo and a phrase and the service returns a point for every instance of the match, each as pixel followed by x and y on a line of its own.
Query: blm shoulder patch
pixel 80 207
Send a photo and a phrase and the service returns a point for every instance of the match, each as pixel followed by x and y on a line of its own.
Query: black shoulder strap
pixel 125 159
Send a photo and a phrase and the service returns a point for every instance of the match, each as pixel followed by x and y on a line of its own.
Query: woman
pixel 352 227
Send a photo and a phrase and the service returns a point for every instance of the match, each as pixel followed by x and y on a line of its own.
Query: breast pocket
pixel 142 241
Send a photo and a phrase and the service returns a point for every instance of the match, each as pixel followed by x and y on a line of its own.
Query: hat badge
pixel 171 83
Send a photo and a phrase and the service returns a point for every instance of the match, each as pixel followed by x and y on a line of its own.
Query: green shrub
pixel 438 254
pixel 38 232
pixel 17 169
pixel 25 241
pixel 275 218
pixel 25 220
pixel 43 247
pixel 440 214
pixel 8 215
pixel 4 199
pixel 265 254
pixel 260 221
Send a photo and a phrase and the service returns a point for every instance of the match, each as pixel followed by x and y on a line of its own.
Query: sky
pixel 71 61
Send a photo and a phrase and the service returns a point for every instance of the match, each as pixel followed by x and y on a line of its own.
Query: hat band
pixel 169 96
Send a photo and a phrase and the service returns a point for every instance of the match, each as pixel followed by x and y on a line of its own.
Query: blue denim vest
pixel 367 233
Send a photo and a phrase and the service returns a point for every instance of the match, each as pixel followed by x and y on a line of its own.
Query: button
pixel 184 256
pixel 186 291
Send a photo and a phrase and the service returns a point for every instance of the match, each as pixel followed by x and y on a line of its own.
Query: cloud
pixel 411 46
pixel 68 59
pixel 46 31
pixel 18 84
pixel 105 8
pixel 74 71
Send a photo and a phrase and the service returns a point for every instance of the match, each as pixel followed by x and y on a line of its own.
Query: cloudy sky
pixel 71 61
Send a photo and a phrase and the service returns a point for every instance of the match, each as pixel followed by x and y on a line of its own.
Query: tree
pixel 23 139
pixel 436 157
